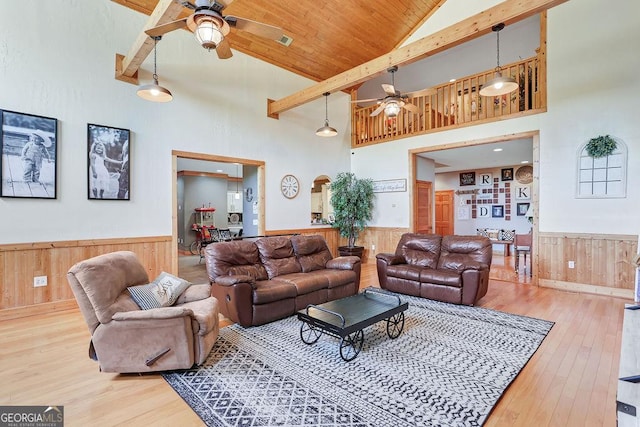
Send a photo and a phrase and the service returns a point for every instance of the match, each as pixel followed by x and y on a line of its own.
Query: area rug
pixel 449 367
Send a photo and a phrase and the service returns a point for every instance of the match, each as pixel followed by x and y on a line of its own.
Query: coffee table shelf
pixel 347 317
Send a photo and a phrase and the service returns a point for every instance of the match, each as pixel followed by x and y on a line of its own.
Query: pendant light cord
pixel 155 57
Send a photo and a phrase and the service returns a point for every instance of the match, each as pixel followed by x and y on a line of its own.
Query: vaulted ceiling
pixel 328 37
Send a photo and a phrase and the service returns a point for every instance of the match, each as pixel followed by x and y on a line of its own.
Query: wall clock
pixel 289 186
pixel 248 194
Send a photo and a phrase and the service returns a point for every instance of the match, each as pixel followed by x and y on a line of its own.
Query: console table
pixel 505 243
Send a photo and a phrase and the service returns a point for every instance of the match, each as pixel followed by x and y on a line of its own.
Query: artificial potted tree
pixel 352 201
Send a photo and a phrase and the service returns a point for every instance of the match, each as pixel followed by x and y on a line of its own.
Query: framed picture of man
pixel 108 152
pixel 29 147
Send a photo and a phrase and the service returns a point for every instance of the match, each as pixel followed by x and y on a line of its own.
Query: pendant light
pixel 499 85
pixel 326 130
pixel 154 92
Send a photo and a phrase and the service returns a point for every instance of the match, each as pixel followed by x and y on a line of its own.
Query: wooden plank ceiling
pixel 328 37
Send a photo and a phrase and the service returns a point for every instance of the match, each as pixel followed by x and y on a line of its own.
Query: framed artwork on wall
pixel 108 154
pixel 497 211
pixel 507 174
pixel 29 147
pixel 467 178
pixel 522 208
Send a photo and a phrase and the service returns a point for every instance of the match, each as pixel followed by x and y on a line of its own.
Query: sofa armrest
pixel 475 265
pixel 391 259
pixel 194 293
pixel 153 314
pixel 233 280
pixel 343 262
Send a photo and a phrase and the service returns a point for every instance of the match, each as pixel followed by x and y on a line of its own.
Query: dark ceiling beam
pixel 508 12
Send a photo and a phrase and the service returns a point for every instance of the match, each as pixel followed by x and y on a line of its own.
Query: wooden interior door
pixel 444 212
pixel 423 207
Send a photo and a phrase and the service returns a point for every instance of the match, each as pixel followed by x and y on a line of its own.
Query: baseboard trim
pixel 586 289
pixel 33 310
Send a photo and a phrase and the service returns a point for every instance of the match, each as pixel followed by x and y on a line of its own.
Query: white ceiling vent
pixel 285 40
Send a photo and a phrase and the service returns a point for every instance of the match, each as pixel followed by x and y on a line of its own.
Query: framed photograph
pixel 108 163
pixel 497 211
pixel 522 208
pixel 29 147
pixel 467 178
pixel 507 174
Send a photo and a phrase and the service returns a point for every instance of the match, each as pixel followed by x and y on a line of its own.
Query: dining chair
pixel 522 244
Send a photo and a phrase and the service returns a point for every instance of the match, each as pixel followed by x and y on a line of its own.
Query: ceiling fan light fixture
pixel 499 85
pixel 154 92
pixel 208 34
pixel 326 130
pixel 392 109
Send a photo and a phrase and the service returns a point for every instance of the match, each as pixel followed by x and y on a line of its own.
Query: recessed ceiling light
pixel 497 149
pixel 218 170
pixel 524 161
pixel 452 80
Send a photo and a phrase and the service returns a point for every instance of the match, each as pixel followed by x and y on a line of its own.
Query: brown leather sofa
pixel 260 281
pixel 452 269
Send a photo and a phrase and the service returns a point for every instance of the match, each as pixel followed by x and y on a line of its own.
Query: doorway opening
pixel 225 192
pixel 492 160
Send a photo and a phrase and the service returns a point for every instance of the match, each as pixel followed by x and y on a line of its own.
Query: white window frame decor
pixel 602 177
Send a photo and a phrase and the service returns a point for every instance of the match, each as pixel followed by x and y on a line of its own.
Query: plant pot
pixel 351 250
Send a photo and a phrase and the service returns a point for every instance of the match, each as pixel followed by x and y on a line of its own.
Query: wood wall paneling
pixel 20 263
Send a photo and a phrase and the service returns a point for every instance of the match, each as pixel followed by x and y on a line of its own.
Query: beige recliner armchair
pixel 125 338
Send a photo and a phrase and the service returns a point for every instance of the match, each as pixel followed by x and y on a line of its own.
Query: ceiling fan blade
pixel 389 89
pixel 365 100
pixel 409 106
pixel 422 92
pixel 225 3
pixel 224 50
pixel 378 110
pixel 254 27
pixel 165 28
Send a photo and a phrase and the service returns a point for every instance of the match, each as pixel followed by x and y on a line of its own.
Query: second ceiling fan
pixel 210 27
pixel 394 100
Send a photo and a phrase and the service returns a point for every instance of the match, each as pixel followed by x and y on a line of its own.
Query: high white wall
pixel 592 84
pixel 58 61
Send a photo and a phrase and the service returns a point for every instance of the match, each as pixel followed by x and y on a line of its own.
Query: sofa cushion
pixel 312 252
pixel 441 277
pixel 405 271
pixel 266 291
pixel 237 257
pixel 421 250
pixel 277 256
pixel 306 282
pixel 460 251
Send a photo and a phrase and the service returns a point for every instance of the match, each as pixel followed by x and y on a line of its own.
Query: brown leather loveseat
pixel 452 269
pixel 260 281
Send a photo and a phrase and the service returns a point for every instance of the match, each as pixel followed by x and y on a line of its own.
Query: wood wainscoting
pixel 20 263
pixel 603 263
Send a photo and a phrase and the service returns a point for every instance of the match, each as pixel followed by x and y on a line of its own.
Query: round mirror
pixel 321 209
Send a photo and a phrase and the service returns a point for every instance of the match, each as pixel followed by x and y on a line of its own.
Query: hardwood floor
pixel 570 381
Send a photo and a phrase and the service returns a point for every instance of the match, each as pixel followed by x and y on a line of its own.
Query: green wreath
pixel 601 146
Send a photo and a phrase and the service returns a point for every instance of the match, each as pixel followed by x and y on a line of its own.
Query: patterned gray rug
pixel 449 367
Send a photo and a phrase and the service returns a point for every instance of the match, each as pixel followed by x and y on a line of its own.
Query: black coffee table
pixel 347 317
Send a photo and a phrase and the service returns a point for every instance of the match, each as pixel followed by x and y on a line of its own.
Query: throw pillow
pixel 507 234
pixel 162 292
pixel 482 232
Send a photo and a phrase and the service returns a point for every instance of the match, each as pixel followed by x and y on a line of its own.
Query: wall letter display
pixel 483 211
pixel 523 193
pixel 467 178
pixel 485 179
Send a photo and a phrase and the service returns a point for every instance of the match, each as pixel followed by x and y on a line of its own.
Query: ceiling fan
pixel 210 27
pixel 394 101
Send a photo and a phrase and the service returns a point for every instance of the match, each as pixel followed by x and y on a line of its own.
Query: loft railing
pixel 453 105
